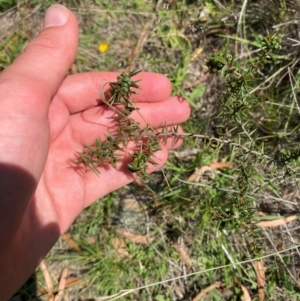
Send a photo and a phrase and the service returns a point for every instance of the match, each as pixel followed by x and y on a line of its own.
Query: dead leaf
pixel 67 296
pixel 207 290
pixel 74 69
pixel 260 278
pixel 199 172
pixel 246 296
pixel 196 53
pixel 120 247
pixel 215 165
pixel 71 281
pixel 71 242
pixel 48 280
pixel 42 291
pixel 183 254
pixel 91 240
pixel 131 204
pixel 136 238
pixel 298 277
pixel 277 222
pixel 61 284
pixel 204 14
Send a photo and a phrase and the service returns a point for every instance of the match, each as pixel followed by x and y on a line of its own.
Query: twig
pixel 48 281
pixel 61 285
pixel 204 137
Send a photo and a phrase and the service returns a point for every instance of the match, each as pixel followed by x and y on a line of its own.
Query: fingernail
pixel 56 15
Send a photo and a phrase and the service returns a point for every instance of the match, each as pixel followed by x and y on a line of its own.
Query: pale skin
pixel 45 118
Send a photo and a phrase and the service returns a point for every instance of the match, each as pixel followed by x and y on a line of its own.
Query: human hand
pixel 45 118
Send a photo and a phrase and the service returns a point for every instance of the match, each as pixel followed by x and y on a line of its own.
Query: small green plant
pixel 237 212
pixel 240 77
pixel 282 160
pixel 109 152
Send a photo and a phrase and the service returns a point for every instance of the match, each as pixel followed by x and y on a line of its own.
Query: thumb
pixel 41 68
pixel 27 86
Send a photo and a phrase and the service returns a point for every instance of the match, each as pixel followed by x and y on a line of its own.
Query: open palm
pixel 77 116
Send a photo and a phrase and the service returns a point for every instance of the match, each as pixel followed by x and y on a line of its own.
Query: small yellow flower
pixel 102 47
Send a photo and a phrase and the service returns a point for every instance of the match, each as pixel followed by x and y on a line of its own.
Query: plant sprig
pixel 114 147
pixel 240 77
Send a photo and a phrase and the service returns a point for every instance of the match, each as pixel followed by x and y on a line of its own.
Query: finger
pixel 37 73
pixel 82 91
pixel 27 86
pixel 115 178
pixel 97 122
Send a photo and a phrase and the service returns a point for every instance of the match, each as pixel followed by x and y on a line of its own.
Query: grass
pixel 171 238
